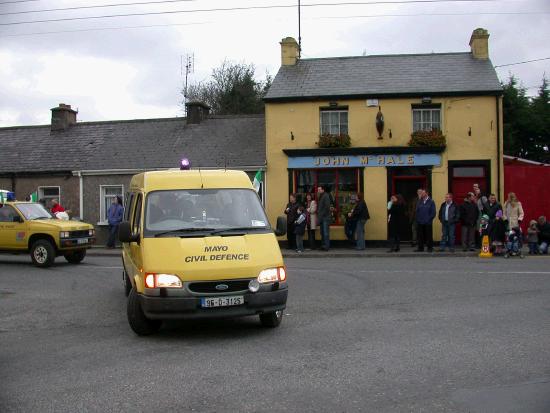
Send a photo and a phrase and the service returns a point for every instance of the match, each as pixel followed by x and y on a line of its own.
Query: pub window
pixel 342 186
pixel 334 122
pixel 426 118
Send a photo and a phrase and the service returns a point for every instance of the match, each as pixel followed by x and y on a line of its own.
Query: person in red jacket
pixel 56 207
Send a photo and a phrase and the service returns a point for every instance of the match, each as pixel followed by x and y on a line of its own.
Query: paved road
pixel 360 334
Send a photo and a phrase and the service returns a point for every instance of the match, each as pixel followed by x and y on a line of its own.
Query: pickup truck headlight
pixel 271 275
pixel 91 232
pixel 153 280
pixel 64 234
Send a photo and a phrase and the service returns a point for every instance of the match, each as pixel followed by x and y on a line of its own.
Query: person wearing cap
pixel 469 214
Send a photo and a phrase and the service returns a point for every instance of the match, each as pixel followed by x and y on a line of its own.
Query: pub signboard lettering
pixel 357 161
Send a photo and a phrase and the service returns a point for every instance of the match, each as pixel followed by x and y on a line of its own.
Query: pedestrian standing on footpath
pixel 449 217
pixel 412 216
pixel 425 214
pixel 469 214
pixel 311 217
pixel 291 216
pixel 544 235
pixel 324 217
pixel 360 214
pixel 300 229
pixel 396 221
pixel 513 211
pixel 497 232
pixel 533 237
pixel 491 207
pixel 114 217
pixel 481 201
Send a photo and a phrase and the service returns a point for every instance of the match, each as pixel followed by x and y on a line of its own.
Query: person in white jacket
pixel 513 211
pixel 311 216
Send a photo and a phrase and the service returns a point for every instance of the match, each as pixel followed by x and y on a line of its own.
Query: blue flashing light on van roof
pixel 185 164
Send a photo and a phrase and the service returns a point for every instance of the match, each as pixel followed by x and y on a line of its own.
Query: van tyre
pixel 272 319
pixel 75 257
pixel 127 283
pixel 141 325
pixel 42 253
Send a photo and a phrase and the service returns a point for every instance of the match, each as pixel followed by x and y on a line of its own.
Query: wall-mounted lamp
pixel 470 131
pixel 390 134
pixel 426 100
pixel 291 136
pixel 379 122
pixel 333 104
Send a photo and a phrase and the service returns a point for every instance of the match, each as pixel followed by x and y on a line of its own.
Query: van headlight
pixel 64 234
pixel 91 232
pixel 162 281
pixel 271 275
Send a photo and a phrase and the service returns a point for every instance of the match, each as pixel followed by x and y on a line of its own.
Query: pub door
pixel 407 187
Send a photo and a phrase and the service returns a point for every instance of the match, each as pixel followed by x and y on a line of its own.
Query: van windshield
pixel 34 211
pixel 203 212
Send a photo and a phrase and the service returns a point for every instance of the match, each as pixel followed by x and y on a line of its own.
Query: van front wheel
pixel 272 319
pixel 141 325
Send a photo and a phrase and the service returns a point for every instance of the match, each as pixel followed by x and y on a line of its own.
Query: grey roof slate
pixel 232 141
pixel 436 73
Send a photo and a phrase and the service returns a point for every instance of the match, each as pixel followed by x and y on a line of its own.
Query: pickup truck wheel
pixel 75 257
pixel 42 253
pixel 141 325
pixel 272 319
pixel 127 283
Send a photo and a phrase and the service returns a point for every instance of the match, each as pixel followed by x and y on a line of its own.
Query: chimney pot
pixel 196 112
pixel 63 117
pixel 479 43
pixel 290 51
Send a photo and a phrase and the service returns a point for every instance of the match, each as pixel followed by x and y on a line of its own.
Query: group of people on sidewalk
pixel 478 215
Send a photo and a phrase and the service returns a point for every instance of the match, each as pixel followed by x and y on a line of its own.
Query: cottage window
pixel 47 193
pixel 426 119
pixel 341 184
pixel 107 195
pixel 334 122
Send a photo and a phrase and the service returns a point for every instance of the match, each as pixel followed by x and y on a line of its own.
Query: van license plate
pixel 222 301
pixel 82 241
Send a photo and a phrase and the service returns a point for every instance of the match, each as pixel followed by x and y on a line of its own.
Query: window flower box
pixel 430 138
pixel 334 141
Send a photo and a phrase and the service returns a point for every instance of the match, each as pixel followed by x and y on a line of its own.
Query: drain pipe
pixel 81 195
pixel 498 146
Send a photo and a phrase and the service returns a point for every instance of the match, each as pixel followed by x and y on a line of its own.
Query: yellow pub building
pixel 383 125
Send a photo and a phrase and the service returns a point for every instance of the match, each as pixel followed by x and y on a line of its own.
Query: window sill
pixel 102 224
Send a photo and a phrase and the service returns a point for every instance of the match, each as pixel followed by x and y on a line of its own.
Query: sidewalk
pixel 341 252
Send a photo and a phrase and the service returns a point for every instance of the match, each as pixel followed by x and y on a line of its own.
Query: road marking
pixel 427 271
pixel 101 266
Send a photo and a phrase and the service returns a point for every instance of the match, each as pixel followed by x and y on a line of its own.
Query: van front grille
pixel 207 287
pixel 80 233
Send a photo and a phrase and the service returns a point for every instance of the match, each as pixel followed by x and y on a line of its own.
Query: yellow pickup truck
pixel 27 227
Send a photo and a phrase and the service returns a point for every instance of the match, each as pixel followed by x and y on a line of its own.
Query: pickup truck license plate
pixel 82 241
pixel 222 301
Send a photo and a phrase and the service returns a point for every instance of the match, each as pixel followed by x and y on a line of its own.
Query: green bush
pixel 334 141
pixel 428 138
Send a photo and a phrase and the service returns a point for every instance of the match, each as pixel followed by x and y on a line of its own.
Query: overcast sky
pixel 110 69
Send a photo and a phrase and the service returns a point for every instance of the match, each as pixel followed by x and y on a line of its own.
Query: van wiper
pixel 184 230
pixel 221 231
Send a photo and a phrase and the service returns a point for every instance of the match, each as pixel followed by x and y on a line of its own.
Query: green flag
pixel 1 197
pixel 257 181
pixel 34 197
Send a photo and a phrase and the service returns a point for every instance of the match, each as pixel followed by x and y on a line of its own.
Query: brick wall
pixel 5 183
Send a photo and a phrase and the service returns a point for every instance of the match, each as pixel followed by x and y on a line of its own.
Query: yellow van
pixel 198 244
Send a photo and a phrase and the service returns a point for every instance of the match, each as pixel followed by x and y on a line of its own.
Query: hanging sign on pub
pixel 358 161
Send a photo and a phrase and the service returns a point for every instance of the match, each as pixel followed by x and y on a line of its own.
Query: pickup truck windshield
pixel 34 211
pixel 203 212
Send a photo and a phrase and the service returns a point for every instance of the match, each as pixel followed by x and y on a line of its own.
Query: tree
pixel 232 90
pixel 526 121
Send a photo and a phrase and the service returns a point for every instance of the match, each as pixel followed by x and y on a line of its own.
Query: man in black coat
pixel 490 208
pixel 449 216
pixel 469 213
pixel 291 212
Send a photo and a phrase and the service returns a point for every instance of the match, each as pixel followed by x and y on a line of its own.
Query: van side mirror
pixel 17 218
pixel 281 226
pixel 125 233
